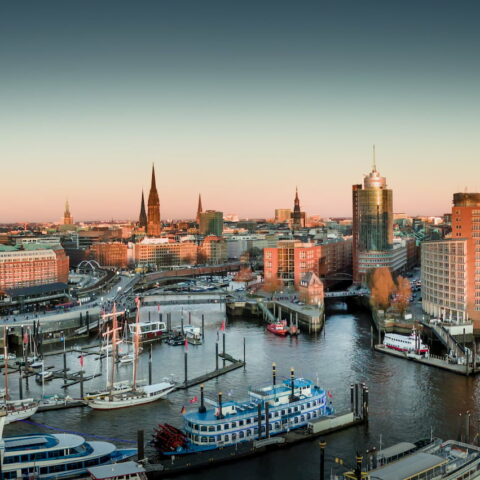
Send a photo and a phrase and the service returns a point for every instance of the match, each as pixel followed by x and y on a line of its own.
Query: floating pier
pixel 431 360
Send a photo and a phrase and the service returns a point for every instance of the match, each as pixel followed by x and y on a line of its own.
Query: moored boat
pixel 402 343
pixel 278 328
pixel 149 331
pixel 275 409
pixel 15 410
pixel 50 456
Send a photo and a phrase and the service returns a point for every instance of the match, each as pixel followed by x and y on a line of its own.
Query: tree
pixel 404 292
pixel 382 287
pixel 272 285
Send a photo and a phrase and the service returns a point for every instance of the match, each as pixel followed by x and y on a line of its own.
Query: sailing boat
pixel 137 395
pixel 14 410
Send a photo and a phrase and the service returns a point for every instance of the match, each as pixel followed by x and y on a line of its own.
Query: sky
pixel 239 101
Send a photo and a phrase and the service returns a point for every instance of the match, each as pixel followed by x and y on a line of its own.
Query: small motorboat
pixel 278 328
pixel 176 340
pixel 43 376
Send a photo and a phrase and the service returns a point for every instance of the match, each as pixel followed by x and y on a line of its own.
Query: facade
pixel 161 253
pixel 211 223
pixel 33 265
pixel 237 245
pixel 372 229
pixel 311 289
pixel 283 215
pixel 335 257
pixel 451 284
pixel 290 261
pixel 444 279
pixel 110 254
pixel 215 249
pixel 153 218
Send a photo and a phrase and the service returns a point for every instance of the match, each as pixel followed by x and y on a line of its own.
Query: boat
pixel 10 356
pixel 136 395
pixel 149 331
pixel 176 340
pixel 289 405
pixel 118 471
pixel 14 410
pixel 278 328
pixel 48 456
pixel 193 335
pixel 43 376
pixel 402 343
pixel 118 387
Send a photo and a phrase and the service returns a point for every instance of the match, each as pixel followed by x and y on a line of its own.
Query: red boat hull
pixel 277 329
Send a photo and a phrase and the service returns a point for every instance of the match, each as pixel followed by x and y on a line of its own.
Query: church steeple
pixel 297 215
pixel 153 226
pixel 67 216
pixel 142 221
pixel 199 208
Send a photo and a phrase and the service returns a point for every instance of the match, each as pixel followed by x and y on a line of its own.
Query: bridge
pixel 363 292
pixel 190 272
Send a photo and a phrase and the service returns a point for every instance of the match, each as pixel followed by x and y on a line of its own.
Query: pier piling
pixel 20 385
pixel 181 319
pixel 322 444
pixel 216 356
pixel 351 396
pixel 186 367
pixel 189 318
pixel 244 353
pixel 64 367
pixel 203 327
pixel 223 348
pixel 81 383
pixel 140 446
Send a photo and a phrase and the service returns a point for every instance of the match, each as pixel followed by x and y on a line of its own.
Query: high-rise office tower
pixel 153 226
pixel 372 226
pixel 142 220
pixel 211 223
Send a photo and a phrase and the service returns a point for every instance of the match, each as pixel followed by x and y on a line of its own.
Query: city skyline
pixel 238 104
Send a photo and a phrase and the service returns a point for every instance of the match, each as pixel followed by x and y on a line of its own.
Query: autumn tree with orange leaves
pixel 272 285
pixel 382 287
pixel 404 292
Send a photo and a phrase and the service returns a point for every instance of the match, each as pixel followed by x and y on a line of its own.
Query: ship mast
pixel 113 333
pixel 136 338
pixel 5 358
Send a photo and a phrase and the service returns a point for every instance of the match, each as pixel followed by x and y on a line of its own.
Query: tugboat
pixel 278 328
pixel 278 408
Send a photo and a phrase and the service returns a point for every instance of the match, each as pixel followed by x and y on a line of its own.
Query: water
pixel 407 399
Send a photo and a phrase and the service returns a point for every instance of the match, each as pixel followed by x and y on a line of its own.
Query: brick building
pixel 110 254
pixel 161 252
pixel 32 265
pixel 215 249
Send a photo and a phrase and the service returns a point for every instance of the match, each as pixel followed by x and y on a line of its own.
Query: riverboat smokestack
pixel 293 398
pixel 274 373
pixel 220 414
pixel 201 408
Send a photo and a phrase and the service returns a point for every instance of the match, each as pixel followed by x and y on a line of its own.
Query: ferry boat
pixel 278 328
pixel 279 408
pixel 52 456
pixel 148 331
pixel 118 471
pixel 402 343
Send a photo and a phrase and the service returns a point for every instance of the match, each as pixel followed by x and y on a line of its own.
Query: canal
pixel 407 400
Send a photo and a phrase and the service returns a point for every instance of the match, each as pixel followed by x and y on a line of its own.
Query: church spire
pixel 199 208
pixel 142 221
pixel 153 225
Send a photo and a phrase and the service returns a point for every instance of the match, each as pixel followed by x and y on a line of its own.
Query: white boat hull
pixel 14 415
pixel 115 402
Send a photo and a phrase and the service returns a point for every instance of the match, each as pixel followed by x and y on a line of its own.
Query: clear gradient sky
pixel 238 100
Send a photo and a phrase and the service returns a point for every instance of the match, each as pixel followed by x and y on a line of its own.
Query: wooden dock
pixel 61 405
pixel 165 467
pixel 431 361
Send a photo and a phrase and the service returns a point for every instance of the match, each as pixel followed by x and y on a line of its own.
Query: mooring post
pixel 216 355
pixel 186 367
pixel 149 316
pixel 372 341
pixel 20 384
pixel 169 322
pixel 244 353
pixel 140 446
pixel 64 367
pixel 81 383
pixel 87 319
pixel 189 318
pixel 181 319
pixel 81 319
pixel 224 349
pixel 150 354
pixel 322 444
pixel 203 327
pixel 351 397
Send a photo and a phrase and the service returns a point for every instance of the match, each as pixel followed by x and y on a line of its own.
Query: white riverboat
pixel 53 456
pixel 403 343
